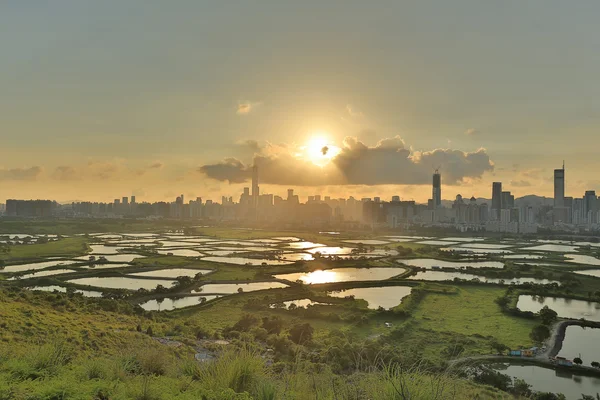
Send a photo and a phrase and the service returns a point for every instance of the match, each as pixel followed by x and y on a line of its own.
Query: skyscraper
pixel 437 189
pixel 496 200
pixel 255 190
pixel 559 187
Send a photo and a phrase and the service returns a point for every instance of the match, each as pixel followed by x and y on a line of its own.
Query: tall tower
pixel 496 200
pixel 436 195
pixel 255 190
pixel 559 187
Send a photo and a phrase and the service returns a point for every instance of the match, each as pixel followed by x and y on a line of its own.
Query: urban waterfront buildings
pixel 503 213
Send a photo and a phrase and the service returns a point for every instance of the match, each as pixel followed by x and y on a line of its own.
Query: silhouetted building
pixel 437 190
pixel 496 200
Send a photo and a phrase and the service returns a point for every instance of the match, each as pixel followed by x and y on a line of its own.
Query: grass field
pixel 470 312
pixel 66 247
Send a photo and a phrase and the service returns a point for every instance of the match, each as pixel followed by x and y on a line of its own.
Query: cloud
pixel 472 132
pixel 247 107
pixel 230 169
pixel 520 183
pixel 156 165
pixel 390 161
pixel 65 173
pixel 353 112
pixel 21 174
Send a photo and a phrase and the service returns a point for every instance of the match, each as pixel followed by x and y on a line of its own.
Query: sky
pixel 101 100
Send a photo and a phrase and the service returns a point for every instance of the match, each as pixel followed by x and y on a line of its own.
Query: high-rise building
pixel 132 199
pixel 507 200
pixel 559 187
pixel 496 200
pixel 255 189
pixel 125 200
pixel 437 189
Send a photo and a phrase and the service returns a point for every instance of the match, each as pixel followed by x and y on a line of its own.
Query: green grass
pixel 472 311
pixel 67 247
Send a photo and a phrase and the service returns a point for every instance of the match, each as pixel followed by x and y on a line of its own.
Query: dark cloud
pixel 389 162
pixel 230 169
pixel 324 150
pixel 21 174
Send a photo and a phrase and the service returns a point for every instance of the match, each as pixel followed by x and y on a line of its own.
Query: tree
pixel 273 325
pixel 539 333
pixel 521 388
pixel 595 364
pixel 547 315
pixel 578 360
pixel 301 333
pixel 497 346
pixel 246 323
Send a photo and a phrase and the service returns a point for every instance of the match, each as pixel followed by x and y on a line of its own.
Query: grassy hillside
pixel 60 346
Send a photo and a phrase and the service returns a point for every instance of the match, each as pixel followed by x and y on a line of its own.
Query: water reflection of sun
pixel 320 276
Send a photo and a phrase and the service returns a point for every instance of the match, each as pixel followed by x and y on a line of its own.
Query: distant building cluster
pixel 502 214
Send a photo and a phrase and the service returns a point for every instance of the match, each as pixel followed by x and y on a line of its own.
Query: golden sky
pixel 108 99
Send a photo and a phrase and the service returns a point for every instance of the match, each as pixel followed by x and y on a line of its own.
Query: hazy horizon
pixel 110 99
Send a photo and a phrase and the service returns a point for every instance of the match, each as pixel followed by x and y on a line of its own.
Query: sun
pixel 320 151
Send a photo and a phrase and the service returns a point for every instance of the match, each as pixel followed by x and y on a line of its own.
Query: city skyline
pixel 356 101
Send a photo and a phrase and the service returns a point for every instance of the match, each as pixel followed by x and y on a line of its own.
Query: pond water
pixel 172 304
pixel 122 283
pixel 38 265
pixel 297 257
pixel 237 243
pixel 113 258
pixel 102 249
pixel 552 247
pixel 580 341
pixel 304 245
pixel 343 275
pixel 330 251
pixel 265 241
pixel 582 259
pixel 106 266
pixel 555 381
pixel 178 244
pixel 386 297
pixel 589 272
pixel 366 242
pixel 172 273
pixel 523 256
pixel 288 238
pixel 181 252
pixel 220 253
pixel 566 308
pixel 462 239
pixel 437 242
pixel 299 303
pixel 485 246
pixel 245 260
pixel 54 288
pixel 399 240
pixel 475 250
pixel 430 262
pixel 448 276
pixel 45 273
pixel 227 288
